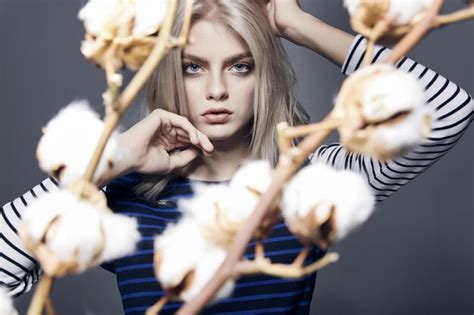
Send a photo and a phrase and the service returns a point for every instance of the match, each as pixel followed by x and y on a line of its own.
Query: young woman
pixel 214 105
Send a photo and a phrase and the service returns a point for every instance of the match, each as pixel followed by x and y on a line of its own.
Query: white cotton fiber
pixel 390 92
pixel 206 267
pixel 76 235
pixel 149 16
pixel 6 303
pixel 256 175
pixel 41 211
pixel 179 249
pixel 319 188
pixel 121 235
pixel 69 141
pixel 403 11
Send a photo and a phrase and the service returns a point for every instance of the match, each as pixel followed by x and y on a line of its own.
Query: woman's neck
pixel 223 163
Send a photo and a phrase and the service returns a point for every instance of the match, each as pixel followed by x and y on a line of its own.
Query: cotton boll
pixel 69 141
pixel 97 16
pixel 41 211
pixel 177 252
pixel 64 233
pixel 202 207
pixel 6 303
pixel 205 269
pixel 398 138
pixel 321 205
pixel 77 235
pixel 383 112
pixel 219 210
pixel 149 15
pixel 107 19
pixel 256 175
pixel 352 5
pixel 121 235
pixel 402 14
pixel 404 11
pixel 354 202
pixel 307 189
pixel 389 93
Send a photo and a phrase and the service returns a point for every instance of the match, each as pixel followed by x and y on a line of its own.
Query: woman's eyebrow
pixel 227 61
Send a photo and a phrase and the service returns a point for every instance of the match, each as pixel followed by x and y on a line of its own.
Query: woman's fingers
pixel 203 141
pixel 182 158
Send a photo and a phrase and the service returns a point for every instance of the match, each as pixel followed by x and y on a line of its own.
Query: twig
pixel 379 29
pixel 265 266
pixel 259 250
pixel 285 169
pixel 299 260
pixel 48 304
pixel 295 132
pixel 125 99
pixel 410 40
pixel 41 295
pixel 156 308
pixel 464 14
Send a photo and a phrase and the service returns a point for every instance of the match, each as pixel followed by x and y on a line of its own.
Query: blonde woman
pixel 214 105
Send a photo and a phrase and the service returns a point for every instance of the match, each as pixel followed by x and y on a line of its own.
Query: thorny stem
pixel 287 166
pixel 409 41
pixel 41 295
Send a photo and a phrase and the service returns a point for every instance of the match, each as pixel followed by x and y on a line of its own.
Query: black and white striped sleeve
pixel 19 271
pixel 453 109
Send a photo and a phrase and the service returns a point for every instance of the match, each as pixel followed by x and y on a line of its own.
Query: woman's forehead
pixel 212 39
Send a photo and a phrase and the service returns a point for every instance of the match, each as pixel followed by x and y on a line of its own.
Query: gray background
pixel 415 256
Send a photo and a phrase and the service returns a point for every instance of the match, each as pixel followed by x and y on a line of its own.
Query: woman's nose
pixel 217 89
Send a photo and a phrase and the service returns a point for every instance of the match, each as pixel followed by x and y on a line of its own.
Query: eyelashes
pixel 238 68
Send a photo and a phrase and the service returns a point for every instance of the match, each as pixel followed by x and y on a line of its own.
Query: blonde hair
pixel 274 97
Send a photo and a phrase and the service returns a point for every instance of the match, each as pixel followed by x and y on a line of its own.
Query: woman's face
pixel 219 81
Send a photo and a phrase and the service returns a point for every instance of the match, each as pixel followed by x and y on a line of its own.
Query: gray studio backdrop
pixel 414 256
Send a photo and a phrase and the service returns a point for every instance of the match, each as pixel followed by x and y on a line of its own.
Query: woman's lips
pixel 217 118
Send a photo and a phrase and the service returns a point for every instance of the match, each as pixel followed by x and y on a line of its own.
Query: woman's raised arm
pixel 453 108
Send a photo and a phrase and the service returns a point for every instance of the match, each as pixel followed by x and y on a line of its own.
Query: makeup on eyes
pixel 241 59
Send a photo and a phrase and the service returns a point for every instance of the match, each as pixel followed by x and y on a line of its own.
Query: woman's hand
pixel 160 143
pixel 283 16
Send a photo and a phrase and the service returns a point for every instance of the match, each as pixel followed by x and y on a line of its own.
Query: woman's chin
pixel 219 132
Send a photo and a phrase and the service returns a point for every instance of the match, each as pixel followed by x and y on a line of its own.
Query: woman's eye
pixel 191 68
pixel 241 68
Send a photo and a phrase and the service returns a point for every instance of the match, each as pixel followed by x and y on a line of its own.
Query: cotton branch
pixel 288 164
pixel 164 44
pixel 410 40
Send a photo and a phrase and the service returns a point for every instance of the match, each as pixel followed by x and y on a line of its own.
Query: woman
pixel 238 77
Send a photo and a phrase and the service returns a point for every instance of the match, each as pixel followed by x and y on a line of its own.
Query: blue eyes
pixel 194 68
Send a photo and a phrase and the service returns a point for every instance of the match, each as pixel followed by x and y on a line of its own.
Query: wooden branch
pixel 464 14
pixel 288 164
pixel 121 104
pixel 265 266
pixel 41 295
pixel 410 40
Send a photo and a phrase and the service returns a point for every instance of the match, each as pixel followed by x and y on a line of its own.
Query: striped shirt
pixel 453 109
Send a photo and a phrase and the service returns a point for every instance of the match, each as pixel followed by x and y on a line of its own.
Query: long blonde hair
pixel 274 99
